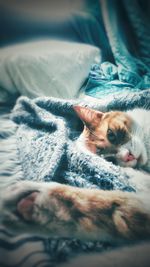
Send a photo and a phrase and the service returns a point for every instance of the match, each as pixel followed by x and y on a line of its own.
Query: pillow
pixel 50 67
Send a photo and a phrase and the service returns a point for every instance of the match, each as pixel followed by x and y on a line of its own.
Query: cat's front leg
pixel 63 211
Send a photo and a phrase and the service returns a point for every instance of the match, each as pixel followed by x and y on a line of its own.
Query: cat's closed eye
pixel 116 137
pixel 111 136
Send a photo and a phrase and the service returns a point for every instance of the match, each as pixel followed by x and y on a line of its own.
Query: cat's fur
pixel 54 209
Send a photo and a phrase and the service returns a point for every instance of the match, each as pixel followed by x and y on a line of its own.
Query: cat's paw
pixel 26 202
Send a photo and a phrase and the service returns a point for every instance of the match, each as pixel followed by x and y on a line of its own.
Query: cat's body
pixel 59 210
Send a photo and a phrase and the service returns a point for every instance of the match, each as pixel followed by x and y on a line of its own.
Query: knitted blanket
pixel 46 138
pixel 46 151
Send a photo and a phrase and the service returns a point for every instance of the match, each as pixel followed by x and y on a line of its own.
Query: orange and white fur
pixel 54 209
pixel 124 135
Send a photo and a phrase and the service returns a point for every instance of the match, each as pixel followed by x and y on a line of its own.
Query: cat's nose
pixel 125 155
pixel 128 157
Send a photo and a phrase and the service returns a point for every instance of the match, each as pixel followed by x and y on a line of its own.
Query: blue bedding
pixel 124 75
pixel 103 82
pixel 125 38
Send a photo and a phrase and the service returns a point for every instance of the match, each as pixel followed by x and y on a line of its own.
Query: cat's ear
pixel 89 116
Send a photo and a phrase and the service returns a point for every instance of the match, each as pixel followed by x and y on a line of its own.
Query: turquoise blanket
pixel 125 39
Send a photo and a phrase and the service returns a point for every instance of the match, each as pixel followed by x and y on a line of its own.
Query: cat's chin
pixel 135 163
pixel 132 163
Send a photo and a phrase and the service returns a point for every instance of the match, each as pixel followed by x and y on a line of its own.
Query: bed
pixel 40 81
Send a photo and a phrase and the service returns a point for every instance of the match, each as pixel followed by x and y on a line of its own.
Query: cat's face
pixel 112 134
pixel 133 153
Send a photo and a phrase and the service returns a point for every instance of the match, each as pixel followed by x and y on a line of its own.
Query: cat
pixel 122 137
pixel 54 209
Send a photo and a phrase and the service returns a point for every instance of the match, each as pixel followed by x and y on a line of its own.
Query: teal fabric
pixel 126 25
